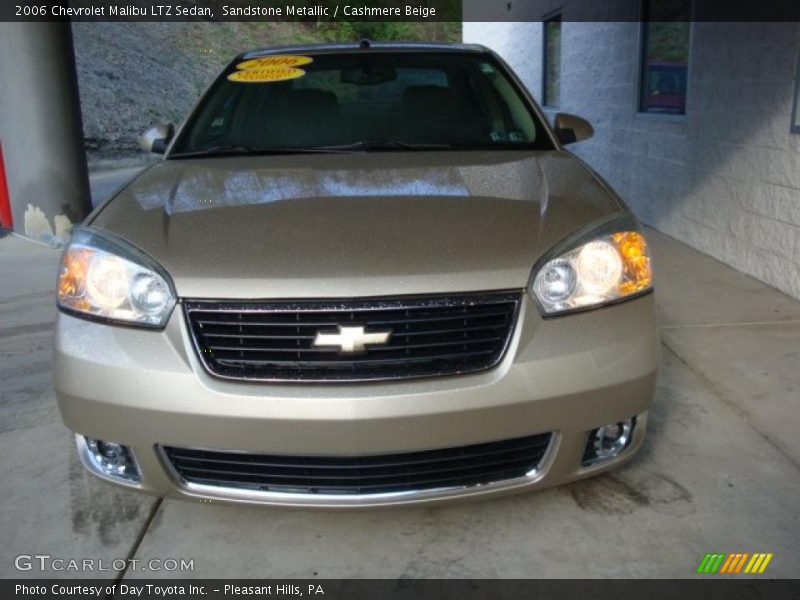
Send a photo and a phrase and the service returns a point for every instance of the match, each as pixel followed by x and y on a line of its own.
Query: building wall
pixel 726 177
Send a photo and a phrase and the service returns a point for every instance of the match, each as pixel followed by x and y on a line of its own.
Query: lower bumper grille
pixel 422 337
pixel 362 475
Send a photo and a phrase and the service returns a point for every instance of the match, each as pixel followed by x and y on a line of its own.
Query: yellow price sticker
pixel 266 75
pixel 278 60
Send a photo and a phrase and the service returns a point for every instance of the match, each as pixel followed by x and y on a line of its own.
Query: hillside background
pixel 134 75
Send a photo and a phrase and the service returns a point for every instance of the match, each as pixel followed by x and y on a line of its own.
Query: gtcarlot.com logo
pixel 47 562
pixel 734 563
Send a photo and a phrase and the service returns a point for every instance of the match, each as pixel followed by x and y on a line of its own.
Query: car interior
pixel 468 105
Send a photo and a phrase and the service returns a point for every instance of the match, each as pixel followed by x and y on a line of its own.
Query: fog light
pixel 608 441
pixel 111 460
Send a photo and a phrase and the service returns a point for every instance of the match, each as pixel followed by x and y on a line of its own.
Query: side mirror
pixel 572 128
pixel 156 139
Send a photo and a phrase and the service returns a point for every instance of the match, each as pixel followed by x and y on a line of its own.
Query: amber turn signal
pixel 637 274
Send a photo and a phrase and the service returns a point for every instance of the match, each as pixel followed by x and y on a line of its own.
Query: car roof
pixel 365 46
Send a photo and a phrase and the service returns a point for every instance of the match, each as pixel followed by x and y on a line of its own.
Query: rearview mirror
pixel 156 139
pixel 572 128
pixel 368 75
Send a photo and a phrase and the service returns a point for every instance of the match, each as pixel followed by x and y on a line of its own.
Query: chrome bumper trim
pixel 212 492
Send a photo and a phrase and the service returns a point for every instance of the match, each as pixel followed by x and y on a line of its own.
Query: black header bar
pixel 398 10
pixel 705 588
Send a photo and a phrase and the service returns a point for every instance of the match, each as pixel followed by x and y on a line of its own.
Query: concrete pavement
pixel 50 506
pixel 720 470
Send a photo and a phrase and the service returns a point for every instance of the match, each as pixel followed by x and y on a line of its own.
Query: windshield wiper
pixel 366 146
pixel 254 151
pixel 363 146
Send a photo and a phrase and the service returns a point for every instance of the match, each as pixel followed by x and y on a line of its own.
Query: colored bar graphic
pixel 754 563
pixel 711 562
pixel 734 562
pixel 718 563
pixel 727 564
pixel 764 564
pixel 730 564
pixel 701 568
pixel 758 563
pixel 740 564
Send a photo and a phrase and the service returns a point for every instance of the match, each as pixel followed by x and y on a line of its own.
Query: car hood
pixel 348 225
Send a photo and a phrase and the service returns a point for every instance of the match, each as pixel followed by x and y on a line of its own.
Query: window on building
pixel 796 111
pixel 551 88
pixel 665 56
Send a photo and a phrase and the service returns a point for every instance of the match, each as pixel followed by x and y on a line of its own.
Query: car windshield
pixel 362 102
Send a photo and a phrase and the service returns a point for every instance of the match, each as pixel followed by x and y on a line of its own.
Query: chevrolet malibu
pixel 363 274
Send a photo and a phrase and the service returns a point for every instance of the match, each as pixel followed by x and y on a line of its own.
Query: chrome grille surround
pixel 430 336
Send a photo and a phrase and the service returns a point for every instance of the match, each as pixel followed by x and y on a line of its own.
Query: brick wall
pixel 726 177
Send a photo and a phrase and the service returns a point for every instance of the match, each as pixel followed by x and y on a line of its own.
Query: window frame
pixel 641 75
pixel 794 123
pixel 550 18
pixel 544 132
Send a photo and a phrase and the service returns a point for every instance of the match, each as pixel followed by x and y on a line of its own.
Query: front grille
pixel 428 336
pixel 361 475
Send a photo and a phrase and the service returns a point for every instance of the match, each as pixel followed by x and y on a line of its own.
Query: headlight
pixel 107 279
pixel 604 269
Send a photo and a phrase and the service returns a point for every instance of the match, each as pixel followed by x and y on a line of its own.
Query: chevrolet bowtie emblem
pixel 351 339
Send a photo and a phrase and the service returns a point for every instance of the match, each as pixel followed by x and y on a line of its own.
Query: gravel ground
pixel 134 75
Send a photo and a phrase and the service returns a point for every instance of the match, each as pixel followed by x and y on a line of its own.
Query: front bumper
pixel 565 375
